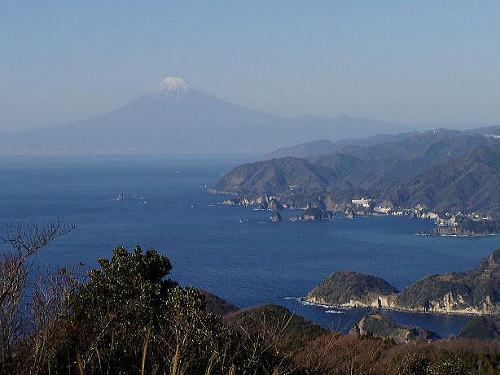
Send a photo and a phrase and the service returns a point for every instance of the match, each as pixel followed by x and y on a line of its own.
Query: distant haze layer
pixel 177 118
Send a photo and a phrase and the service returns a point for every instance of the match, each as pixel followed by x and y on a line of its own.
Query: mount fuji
pixel 177 118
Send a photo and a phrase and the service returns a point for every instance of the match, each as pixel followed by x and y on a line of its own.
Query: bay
pixel 234 252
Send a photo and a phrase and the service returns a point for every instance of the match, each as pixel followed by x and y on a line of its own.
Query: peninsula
pixel 448 176
pixel 475 292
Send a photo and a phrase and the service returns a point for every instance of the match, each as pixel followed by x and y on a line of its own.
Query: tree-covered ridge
pixel 482 327
pixel 273 320
pixel 473 292
pixel 350 288
pixel 466 183
pixel 278 175
pixel 444 170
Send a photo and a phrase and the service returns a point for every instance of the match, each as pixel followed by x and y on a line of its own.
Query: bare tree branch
pixel 25 241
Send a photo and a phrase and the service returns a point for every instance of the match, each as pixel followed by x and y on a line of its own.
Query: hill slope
pixel 303 150
pixel 276 325
pixel 483 328
pixel 466 183
pixel 444 170
pixel 477 291
pixel 473 292
pixel 276 176
pixel 347 288
pixel 379 325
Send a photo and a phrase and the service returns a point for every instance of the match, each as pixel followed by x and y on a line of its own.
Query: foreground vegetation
pixel 127 317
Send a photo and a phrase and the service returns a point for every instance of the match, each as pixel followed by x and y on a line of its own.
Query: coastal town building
pixel 362 202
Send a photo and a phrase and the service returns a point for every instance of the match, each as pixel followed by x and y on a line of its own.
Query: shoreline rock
pixel 467 228
pixel 349 289
pixel 275 216
pixel 460 225
pixel 377 324
pixel 470 293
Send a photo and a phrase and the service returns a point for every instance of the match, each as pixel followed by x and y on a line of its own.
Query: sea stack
pixel 275 216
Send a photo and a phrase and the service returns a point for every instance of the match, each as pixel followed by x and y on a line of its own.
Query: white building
pixel 363 202
pixel 382 209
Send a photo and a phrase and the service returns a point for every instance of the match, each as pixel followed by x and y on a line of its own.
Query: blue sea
pixel 234 252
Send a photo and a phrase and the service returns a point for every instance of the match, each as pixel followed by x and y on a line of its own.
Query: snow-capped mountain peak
pixel 173 87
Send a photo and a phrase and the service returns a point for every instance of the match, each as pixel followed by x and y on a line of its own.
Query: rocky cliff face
pixel 475 292
pixel 468 227
pixel 351 289
pixel 380 325
pixel 275 216
pixel 446 171
pixel 314 214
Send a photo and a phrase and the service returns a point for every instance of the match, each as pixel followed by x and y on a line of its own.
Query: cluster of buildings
pixel 367 206
pixel 359 206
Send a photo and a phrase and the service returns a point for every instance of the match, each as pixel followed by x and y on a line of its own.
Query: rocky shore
pixel 466 227
pixel 476 292
pixel 319 207
pixel 349 289
pixel 377 324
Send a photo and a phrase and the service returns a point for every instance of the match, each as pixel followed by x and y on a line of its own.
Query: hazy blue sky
pixel 412 61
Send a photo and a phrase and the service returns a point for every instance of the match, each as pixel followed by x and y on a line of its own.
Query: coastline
pixel 262 203
pixel 304 301
pixel 459 235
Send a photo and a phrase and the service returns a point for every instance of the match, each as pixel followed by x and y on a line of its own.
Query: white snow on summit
pixel 173 87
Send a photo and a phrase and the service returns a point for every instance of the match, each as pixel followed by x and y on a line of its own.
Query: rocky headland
pixel 474 292
pixel 275 216
pixel 377 324
pixel 450 177
pixel 467 227
pixel 352 289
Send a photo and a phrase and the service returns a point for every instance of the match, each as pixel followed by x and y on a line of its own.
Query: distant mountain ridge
pixel 442 169
pixel 322 147
pixel 276 175
pixel 325 146
pixel 304 150
pixel 177 118
pixel 469 182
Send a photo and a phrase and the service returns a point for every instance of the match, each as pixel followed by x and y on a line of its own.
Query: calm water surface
pixel 234 252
